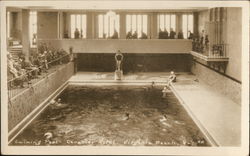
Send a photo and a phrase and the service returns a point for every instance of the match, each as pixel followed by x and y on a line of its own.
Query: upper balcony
pixel 209 53
pixel 214 55
pixel 149 46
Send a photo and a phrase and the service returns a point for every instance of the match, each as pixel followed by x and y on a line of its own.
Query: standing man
pixel 118 58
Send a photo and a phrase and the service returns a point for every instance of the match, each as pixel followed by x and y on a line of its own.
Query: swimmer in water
pixel 164 92
pixel 152 84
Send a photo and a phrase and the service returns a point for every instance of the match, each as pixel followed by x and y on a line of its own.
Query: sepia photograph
pixel 123 77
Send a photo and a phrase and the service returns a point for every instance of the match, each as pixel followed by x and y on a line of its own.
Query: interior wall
pixel 234 43
pixel 125 45
pixel 233 34
pixel 203 17
pixel 47 25
pixel 16 25
pixel 103 62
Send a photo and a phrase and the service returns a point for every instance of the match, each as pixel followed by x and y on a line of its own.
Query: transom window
pixel 108 26
pixel 187 24
pixel 166 21
pixel 137 25
pixel 78 26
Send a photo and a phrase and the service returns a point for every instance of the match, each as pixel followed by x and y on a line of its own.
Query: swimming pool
pixel 113 116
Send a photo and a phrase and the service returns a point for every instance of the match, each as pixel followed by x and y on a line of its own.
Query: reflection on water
pixel 113 116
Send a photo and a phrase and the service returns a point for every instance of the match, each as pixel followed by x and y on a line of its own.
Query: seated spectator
pixel 129 35
pixel 42 60
pixel 115 35
pixel 143 35
pixel 161 34
pixel 171 78
pixel 190 35
pixel 135 35
pixel 180 35
pixel 165 34
pixel 172 34
pixel 18 74
pixel 30 68
pixel 77 33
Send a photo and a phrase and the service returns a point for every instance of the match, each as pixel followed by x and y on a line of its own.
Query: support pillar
pixel 60 25
pixel 25 33
pixel 154 28
pixel 90 30
pixel 195 24
pixel 122 25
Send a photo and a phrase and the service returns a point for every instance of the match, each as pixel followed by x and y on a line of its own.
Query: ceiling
pixel 109 5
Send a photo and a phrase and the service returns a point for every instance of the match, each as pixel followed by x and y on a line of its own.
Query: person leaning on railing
pixel 19 75
pixel 32 70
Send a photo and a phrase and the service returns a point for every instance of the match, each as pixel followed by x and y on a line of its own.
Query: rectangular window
pixel 137 26
pixel 166 21
pixel 108 26
pixel 187 24
pixel 78 25
pixel 33 28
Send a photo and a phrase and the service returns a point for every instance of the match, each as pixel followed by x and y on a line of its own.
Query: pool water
pixel 113 116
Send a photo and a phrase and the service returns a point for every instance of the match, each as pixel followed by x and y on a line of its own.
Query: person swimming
pixel 164 92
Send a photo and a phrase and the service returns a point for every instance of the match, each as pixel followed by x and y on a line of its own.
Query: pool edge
pixel 204 131
pixel 29 118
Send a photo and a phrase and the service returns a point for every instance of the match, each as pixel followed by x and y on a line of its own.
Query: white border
pixel 234 151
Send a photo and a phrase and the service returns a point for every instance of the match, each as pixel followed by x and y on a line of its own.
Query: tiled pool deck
pixel 217 116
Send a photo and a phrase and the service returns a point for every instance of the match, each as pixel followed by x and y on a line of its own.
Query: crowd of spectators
pixel 134 35
pixel 22 69
pixel 172 35
pixel 200 43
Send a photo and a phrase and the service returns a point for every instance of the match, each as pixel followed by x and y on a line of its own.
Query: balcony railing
pixel 27 79
pixel 207 52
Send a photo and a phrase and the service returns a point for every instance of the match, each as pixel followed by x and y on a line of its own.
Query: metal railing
pixel 33 75
pixel 215 51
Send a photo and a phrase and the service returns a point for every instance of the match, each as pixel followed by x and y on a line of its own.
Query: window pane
pixel 162 22
pixel 78 21
pixel 184 25
pixel 107 24
pixel 128 23
pixel 139 25
pixel 101 24
pixel 84 26
pixel 167 19
pixel 145 24
pixel 73 27
pixel 190 23
pixel 112 26
pixel 133 23
pixel 173 19
pixel 33 27
pixel 117 24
